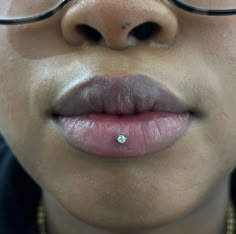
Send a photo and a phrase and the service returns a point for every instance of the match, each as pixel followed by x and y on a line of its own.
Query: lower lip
pixel 146 133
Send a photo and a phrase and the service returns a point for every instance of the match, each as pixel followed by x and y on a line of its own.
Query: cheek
pixel 38 40
pixel 215 40
pixel 220 54
pixel 16 122
pixel 219 43
pixel 14 75
pixel 223 58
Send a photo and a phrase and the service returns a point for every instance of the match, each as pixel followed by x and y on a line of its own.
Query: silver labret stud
pixel 122 139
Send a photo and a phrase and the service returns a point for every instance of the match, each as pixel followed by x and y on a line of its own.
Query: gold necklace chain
pixel 41 218
pixel 230 223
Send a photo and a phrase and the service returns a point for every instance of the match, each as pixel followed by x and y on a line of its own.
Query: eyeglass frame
pixel 52 11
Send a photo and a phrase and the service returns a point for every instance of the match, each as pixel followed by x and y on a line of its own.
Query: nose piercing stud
pixel 122 139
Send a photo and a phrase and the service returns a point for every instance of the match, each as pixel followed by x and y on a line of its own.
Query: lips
pixel 93 115
pixel 127 95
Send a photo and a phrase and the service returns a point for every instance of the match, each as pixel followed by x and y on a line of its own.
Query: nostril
pixel 145 31
pixel 88 32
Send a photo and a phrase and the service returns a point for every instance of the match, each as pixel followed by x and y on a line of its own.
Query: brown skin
pixel 182 189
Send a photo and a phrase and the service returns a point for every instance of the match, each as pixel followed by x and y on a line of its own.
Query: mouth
pixel 129 116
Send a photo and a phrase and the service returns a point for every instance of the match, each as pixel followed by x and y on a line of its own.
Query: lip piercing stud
pixel 122 139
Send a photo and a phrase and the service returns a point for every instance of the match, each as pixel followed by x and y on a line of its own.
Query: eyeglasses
pixel 22 12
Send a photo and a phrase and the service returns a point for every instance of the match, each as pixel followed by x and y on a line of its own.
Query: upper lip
pixel 126 95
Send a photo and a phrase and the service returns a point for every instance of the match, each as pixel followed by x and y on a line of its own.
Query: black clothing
pixel 19 195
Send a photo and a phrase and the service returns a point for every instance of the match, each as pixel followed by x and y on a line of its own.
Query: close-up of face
pixel 123 112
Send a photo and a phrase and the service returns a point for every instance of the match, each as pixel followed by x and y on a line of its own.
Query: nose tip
pixel 118 24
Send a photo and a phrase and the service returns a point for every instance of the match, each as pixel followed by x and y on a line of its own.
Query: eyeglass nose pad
pixel 120 24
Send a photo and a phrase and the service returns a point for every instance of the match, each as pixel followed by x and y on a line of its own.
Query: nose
pixel 119 24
